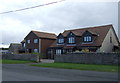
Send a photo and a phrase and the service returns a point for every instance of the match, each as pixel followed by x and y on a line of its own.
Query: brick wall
pixel 89 58
pixel 30 57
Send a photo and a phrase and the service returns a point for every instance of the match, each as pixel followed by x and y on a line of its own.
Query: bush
pixel 118 50
pixel 85 50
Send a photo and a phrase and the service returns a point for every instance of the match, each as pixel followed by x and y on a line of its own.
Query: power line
pixel 32 7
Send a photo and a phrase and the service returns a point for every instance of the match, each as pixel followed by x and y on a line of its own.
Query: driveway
pixel 24 72
pixel 47 61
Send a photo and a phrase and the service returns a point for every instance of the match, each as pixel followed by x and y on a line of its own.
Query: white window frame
pixel 61 40
pixel 71 40
pixel 35 40
pixel 90 38
pixel 58 51
pixel 36 50
pixel 87 39
pixel 24 45
pixel 28 41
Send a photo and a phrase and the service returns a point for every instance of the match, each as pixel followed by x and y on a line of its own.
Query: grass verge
pixel 103 68
pixel 4 61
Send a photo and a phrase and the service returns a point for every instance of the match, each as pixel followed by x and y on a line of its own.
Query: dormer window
pixel 60 40
pixel 87 38
pixel 71 40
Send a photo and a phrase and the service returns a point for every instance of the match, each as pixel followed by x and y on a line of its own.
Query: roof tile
pixel 45 35
pixel 100 31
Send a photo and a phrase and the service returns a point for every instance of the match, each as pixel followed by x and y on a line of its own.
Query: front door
pixel 50 54
pixel 30 50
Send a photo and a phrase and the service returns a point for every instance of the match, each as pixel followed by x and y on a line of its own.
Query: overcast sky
pixel 55 18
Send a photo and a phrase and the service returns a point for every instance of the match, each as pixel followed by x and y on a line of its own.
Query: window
pixel 24 45
pixel 61 40
pixel 28 41
pixel 58 51
pixel 71 34
pixel 49 51
pixel 35 50
pixel 110 39
pixel 35 40
pixel 71 40
pixel 87 39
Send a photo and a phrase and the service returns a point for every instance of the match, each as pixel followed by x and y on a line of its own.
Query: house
pixel 15 47
pixel 38 42
pixel 4 51
pixel 22 50
pixel 91 39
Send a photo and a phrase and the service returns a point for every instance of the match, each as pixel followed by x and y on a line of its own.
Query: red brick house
pixel 38 42
pixel 93 39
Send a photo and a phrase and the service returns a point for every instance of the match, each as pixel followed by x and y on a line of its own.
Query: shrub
pixel 85 50
pixel 118 50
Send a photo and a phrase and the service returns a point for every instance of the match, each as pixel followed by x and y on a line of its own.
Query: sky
pixel 54 18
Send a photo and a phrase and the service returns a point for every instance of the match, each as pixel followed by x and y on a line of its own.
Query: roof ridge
pixel 89 27
pixel 43 32
pixel 15 43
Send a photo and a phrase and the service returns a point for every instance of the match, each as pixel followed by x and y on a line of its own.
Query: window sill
pixel 87 43
pixel 71 45
pixel 60 44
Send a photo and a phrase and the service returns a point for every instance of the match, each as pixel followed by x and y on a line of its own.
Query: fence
pixel 30 57
pixel 89 58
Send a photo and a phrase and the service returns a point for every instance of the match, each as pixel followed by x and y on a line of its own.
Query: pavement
pixel 47 61
pixel 25 72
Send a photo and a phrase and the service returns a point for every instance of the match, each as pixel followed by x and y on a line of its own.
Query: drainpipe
pixel 39 45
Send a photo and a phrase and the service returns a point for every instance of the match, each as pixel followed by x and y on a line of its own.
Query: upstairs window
pixel 28 41
pixel 71 40
pixel 110 39
pixel 87 39
pixel 60 40
pixel 35 40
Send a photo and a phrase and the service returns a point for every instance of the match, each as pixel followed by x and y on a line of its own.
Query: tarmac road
pixel 24 72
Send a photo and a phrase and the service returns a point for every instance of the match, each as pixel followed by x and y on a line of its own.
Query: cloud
pixel 54 18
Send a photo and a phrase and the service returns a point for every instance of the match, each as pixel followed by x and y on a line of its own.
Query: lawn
pixel 0 61
pixel 4 61
pixel 91 67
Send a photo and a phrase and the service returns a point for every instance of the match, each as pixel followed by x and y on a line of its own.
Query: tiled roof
pixel 45 35
pixel 15 45
pixel 93 30
pixel 100 31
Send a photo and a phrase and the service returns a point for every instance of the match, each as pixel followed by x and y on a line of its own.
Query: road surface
pixel 24 72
